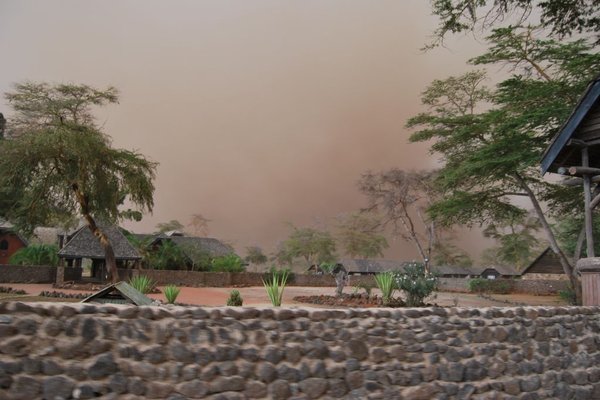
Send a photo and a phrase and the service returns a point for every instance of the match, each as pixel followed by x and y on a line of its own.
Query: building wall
pixel 14 244
pixel 83 351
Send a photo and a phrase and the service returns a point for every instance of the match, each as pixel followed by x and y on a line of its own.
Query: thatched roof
pixel 84 244
pixel 445 270
pixel 504 270
pixel 212 246
pixel 365 266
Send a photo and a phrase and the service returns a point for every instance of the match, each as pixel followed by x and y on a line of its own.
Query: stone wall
pixel 540 287
pixel 27 274
pixel 81 351
pixel 527 286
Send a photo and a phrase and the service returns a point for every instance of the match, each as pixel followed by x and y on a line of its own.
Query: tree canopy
pixel 359 234
pixel 255 255
pixel 491 139
pixel 562 18
pixel 313 245
pixel 172 225
pixel 57 163
pixel 403 198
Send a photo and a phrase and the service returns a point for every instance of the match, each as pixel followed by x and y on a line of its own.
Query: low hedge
pixel 497 286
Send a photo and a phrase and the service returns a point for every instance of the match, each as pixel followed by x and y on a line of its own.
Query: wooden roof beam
pixel 579 171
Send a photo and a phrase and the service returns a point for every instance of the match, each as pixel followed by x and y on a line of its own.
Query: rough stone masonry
pixel 82 351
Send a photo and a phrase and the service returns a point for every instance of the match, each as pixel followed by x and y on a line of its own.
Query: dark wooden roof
pixel 583 124
pixel 84 244
pixel 546 263
pixel 119 293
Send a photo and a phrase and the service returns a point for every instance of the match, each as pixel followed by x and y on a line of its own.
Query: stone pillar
pixel 60 276
pixel 589 268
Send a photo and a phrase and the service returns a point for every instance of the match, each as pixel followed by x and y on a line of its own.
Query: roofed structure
pixel 213 247
pixel 369 267
pixel 119 293
pixel 453 271
pixel 10 241
pixel 582 128
pixel 546 263
pixel 84 244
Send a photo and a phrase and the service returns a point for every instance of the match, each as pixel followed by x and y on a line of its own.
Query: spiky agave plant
pixel 386 282
pixel 171 292
pixel 275 287
pixel 142 283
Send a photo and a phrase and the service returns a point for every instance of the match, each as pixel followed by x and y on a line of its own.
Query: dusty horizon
pixel 260 113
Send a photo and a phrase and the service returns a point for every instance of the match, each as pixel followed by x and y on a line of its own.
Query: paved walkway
pixel 256 296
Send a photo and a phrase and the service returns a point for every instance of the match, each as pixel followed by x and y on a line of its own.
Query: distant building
pixel 192 246
pixel 356 266
pixel 499 271
pixel 84 245
pixel 452 271
pixel 545 266
pixel 10 242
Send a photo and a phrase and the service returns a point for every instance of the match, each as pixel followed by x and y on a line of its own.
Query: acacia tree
pixel 59 163
pixel 255 255
pixel 360 235
pixel 491 141
pixel 172 225
pixel 562 18
pixel 313 245
pixel 199 224
pixel 517 242
pixel 402 198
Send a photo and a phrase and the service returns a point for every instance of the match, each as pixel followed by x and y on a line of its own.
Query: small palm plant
pixel 386 282
pixel 142 283
pixel 275 287
pixel 235 298
pixel 171 292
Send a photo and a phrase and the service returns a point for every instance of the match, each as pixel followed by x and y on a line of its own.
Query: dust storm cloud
pixel 259 112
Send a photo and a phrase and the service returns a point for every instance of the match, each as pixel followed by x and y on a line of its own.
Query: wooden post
pixel 589 268
pixel 60 276
pixel 587 193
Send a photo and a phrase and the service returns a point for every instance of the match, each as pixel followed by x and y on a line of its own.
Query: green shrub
pixel 171 292
pixel 166 256
pixel 275 287
pixel 568 295
pixel 416 283
pixel 235 298
pixel 142 284
pixel 386 282
pixel 36 254
pixel 327 268
pixel 496 286
pixel 228 263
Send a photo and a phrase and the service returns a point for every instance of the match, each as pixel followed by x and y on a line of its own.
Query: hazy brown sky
pixel 259 112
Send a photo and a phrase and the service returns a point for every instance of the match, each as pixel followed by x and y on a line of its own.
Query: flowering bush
pixel 416 283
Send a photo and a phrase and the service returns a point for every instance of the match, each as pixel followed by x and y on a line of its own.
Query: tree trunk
pixel 579 246
pixel 564 261
pixel 109 254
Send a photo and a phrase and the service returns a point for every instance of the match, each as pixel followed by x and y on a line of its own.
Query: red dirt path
pixel 256 296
